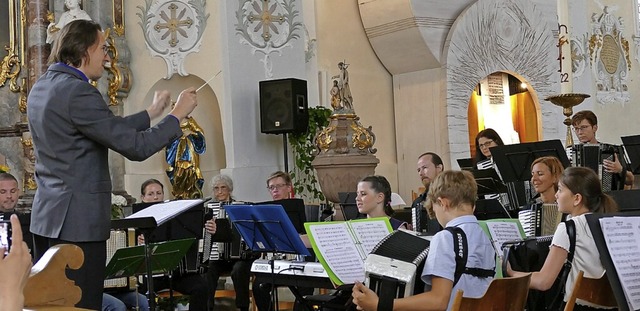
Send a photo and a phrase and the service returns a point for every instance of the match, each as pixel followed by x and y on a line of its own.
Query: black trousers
pixel 90 277
pixel 240 274
pixel 192 284
pixel 262 296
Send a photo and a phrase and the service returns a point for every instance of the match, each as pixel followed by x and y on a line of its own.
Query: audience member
pixel 14 270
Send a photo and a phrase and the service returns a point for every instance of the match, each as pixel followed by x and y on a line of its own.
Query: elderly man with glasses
pixel 585 125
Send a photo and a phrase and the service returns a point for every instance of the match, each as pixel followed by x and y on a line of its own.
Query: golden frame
pixel 11 63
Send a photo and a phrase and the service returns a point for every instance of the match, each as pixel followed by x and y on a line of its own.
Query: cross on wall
pixel 173 24
pixel 266 18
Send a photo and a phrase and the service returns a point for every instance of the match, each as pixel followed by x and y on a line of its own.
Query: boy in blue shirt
pixel 451 200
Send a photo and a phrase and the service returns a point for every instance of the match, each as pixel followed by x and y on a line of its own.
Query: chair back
pixel 506 294
pixel 596 291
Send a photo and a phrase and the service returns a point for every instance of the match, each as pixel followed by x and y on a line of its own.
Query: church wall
pixel 341 37
pixel 148 75
pixel 419 102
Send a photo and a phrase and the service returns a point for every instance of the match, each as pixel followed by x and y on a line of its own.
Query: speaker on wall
pixel 283 106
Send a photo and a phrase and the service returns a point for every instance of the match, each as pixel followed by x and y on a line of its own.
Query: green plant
pixel 305 182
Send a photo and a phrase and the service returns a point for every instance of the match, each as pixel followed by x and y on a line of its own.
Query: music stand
pixel 348 206
pixel 488 182
pixel 130 261
pixel 266 229
pixel 147 220
pixel 632 146
pixel 295 210
pixel 514 161
pixel 593 220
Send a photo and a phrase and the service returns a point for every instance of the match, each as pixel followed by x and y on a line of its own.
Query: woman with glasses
pixel 485 140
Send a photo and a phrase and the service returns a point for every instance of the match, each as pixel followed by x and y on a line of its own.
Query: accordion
pixel 539 219
pixel 226 243
pixel 592 155
pixel 390 269
pixel 119 239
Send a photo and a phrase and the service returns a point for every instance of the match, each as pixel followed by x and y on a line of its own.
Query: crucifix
pixel 173 24
pixel 266 18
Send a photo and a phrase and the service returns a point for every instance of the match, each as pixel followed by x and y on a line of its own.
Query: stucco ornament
pixel 172 30
pixel 610 60
pixel 267 26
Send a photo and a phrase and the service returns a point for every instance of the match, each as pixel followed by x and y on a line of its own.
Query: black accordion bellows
pixel 403 246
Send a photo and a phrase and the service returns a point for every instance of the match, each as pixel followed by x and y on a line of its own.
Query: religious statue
pixel 341 90
pixel 75 12
pixel 183 156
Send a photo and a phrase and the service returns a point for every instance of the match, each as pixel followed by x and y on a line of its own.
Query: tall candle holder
pixel 567 102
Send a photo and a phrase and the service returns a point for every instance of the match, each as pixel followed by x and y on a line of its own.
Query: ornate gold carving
pixel 362 137
pixel 10 68
pixel 22 101
pixel 323 139
pixel 28 162
pixel 119 76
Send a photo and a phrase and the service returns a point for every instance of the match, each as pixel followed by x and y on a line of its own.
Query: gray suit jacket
pixel 73 130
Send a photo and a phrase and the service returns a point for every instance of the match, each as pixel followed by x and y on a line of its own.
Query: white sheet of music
pixel 622 235
pixel 336 244
pixel 369 233
pixel 162 212
pixel 503 231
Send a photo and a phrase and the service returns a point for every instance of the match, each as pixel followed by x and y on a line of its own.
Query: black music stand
pixel 147 220
pixel 593 220
pixel 488 182
pixel 267 229
pixel 130 261
pixel 514 161
pixel 632 146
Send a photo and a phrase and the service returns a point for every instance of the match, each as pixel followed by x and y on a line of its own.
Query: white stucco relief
pixel 267 26
pixel 172 30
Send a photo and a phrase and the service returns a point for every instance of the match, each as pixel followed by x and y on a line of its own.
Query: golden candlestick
pixel 567 102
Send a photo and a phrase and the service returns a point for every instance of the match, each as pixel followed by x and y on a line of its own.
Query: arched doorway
pixel 502 101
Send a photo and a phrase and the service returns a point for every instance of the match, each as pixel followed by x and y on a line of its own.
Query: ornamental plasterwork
pixel 609 55
pixel 579 54
pixel 172 30
pixel 267 26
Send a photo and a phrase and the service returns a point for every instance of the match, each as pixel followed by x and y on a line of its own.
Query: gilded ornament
pixel 323 139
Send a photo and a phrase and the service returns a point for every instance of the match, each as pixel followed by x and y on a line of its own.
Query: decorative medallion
pixel 609 55
pixel 267 26
pixel 172 30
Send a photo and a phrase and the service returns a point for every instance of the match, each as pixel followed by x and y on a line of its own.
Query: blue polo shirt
pixel 441 260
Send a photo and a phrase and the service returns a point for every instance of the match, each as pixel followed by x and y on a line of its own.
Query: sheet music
pixel 369 233
pixel 622 235
pixel 501 232
pixel 336 244
pixel 163 212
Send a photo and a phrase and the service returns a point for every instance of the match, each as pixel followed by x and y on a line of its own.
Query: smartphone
pixel 5 235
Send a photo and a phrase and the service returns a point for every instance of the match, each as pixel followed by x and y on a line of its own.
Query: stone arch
pixel 496 35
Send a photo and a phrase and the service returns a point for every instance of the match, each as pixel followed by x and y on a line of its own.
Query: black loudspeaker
pixel 283 106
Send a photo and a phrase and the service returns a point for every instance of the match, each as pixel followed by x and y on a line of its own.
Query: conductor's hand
pixel 210 226
pixel 187 101
pixel 364 298
pixel 14 270
pixel 161 100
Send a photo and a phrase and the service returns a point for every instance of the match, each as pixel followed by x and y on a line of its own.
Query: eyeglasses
pixel 420 169
pixel 581 128
pixel 486 144
pixel 105 49
pixel 220 188
pixel 278 186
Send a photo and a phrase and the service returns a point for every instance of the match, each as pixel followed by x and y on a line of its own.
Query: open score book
pixel 342 246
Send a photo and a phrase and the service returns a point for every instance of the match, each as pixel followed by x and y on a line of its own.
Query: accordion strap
pixel 461 252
